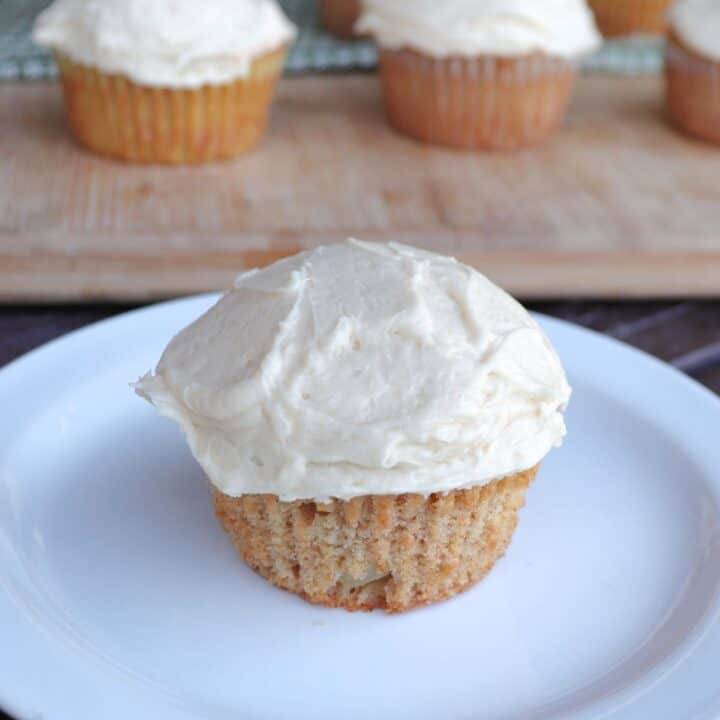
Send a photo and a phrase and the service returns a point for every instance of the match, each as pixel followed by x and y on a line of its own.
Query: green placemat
pixel 314 50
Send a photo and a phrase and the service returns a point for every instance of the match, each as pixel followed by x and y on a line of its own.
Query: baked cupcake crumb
pixel 393 553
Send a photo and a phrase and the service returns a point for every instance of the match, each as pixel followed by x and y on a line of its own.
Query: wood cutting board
pixel 616 205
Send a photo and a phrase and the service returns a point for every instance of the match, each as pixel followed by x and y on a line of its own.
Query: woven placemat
pixel 314 51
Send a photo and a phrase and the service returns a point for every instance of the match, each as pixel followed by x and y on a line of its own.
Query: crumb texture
pixel 377 551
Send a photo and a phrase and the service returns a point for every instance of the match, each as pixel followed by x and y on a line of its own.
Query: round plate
pixel 120 597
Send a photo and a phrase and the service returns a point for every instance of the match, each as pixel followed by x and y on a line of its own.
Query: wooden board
pixel 616 205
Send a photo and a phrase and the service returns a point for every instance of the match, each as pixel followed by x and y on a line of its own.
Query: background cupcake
pixel 370 417
pixel 339 16
pixel 494 75
pixel 692 68
pixel 161 81
pixel 630 17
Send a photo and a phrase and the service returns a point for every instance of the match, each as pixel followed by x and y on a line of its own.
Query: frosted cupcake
pixel 496 74
pixel 630 17
pixel 692 68
pixel 369 416
pixel 339 16
pixel 167 81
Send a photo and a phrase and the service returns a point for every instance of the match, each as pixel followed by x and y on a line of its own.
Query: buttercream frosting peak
pixel 165 43
pixel 360 369
pixel 697 24
pixel 472 27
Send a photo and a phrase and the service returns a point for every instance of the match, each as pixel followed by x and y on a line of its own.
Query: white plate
pixel 121 598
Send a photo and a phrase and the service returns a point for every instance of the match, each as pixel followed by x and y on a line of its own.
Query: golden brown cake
pixel 630 17
pixel 389 552
pixel 339 17
pixel 166 81
pixel 459 102
pixel 114 116
pixel 369 417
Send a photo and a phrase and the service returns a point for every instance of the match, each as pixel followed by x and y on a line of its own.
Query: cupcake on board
pixel 369 417
pixel 167 81
pixel 478 74
pixel 692 68
pixel 630 17
pixel 339 17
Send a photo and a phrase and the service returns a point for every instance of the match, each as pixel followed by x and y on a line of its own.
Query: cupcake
pixel 339 17
pixel 166 81
pixel 369 418
pixel 478 75
pixel 630 17
pixel 692 68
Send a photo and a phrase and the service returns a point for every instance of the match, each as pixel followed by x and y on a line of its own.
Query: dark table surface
pixel 685 334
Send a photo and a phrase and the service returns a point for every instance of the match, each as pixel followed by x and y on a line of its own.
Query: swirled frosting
pixel 473 27
pixel 697 24
pixel 165 43
pixel 361 369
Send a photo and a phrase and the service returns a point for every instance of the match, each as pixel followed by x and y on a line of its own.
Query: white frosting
pixel 362 369
pixel 443 28
pixel 165 43
pixel 697 24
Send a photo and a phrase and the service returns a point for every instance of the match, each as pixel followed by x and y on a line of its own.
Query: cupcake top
pixel 444 28
pixel 697 24
pixel 165 43
pixel 361 369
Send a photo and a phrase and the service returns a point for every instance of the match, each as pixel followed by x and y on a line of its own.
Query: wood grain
pixel 616 205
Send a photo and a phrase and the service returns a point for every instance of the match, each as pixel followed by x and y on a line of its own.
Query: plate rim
pixel 26 363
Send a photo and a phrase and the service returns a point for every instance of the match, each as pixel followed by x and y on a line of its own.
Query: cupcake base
pixel 111 115
pixel 339 17
pixel 692 90
pixel 483 103
pixel 630 17
pixel 377 551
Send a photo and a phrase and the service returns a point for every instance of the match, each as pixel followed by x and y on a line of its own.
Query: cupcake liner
pixel 376 551
pixel 692 91
pixel 339 16
pixel 630 17
pixel 112 115
pixel 487 102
